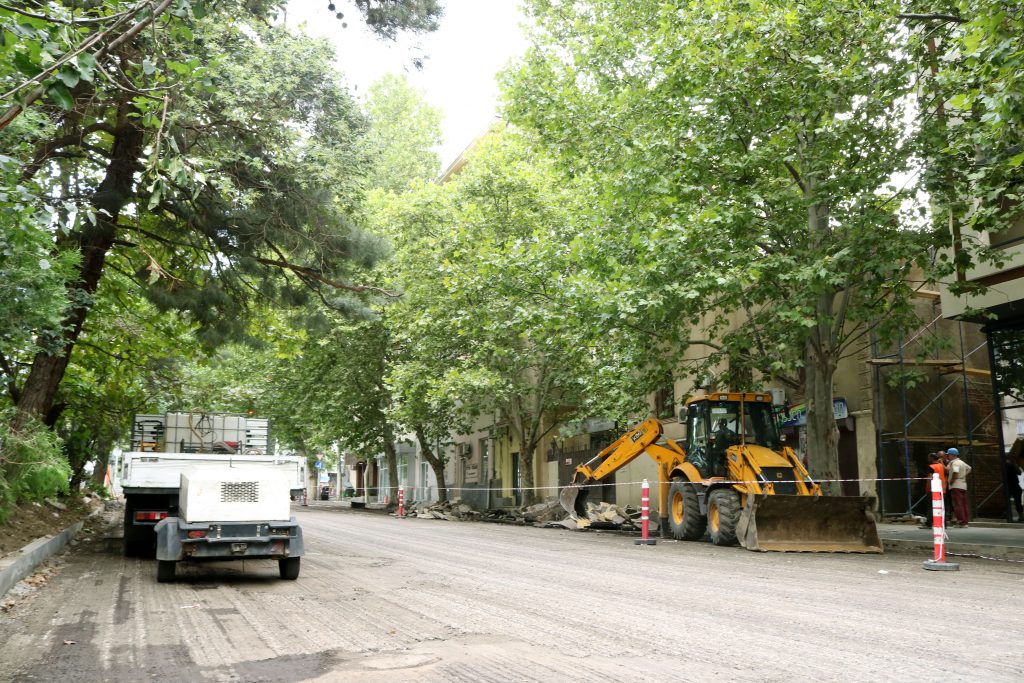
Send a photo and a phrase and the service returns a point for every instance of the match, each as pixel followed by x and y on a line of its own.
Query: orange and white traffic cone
pixel 645 515
pixel 938 563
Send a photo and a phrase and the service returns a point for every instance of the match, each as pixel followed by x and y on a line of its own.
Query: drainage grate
pixel 239 492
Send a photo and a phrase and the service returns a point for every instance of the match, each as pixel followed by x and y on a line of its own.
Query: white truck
pixel 200 486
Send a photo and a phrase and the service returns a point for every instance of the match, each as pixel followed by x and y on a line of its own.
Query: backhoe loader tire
pixel 684 516
pixel 723 516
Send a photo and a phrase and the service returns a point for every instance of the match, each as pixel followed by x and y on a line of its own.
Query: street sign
pixel 319 464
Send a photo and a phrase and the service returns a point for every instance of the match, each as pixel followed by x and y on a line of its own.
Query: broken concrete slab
pixel 566 523
pixel 544 512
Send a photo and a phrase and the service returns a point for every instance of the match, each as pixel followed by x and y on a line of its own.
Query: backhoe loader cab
pixel 718 421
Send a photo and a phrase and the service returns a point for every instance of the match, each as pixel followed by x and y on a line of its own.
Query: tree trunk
pixel 40 390
pixel 526 456
pixel 99 472
pixel 391 458
pixel 518 425
pixel 820 361
pixel 527 430
pixel 820 352
pixel 436 463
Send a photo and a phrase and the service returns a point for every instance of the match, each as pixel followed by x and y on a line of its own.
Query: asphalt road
pixel 382 599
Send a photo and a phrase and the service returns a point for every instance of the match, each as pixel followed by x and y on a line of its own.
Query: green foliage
pixel 195 153
pixel 404 134
pixel 387 19
pixel 334 393
pixel 101 491
pixel 742 158
pixel 975 153
pixel 484 323
pixel 32 297
pixel 713 131
pixel 32 464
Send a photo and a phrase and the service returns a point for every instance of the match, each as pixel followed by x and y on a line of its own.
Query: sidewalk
pixel 984 537
pixel 341 505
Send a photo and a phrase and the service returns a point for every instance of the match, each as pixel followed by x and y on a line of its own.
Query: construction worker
pixel 957 471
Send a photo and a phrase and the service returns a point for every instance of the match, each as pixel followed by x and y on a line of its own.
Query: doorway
pixel 517 480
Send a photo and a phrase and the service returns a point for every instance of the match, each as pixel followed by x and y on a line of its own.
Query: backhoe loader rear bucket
pixel 813 524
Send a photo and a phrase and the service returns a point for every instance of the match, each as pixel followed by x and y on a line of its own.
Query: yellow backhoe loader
pixel 736 480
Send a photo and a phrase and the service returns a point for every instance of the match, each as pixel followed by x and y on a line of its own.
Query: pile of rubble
pixel 546 514
pixel 550 514
pixel 450 510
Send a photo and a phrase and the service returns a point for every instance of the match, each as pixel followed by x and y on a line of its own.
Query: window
pixel 403 471
pixel 423 490
pixel 1014 234
pixel 665 400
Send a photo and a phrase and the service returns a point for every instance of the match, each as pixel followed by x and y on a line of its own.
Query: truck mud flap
pixel 812 524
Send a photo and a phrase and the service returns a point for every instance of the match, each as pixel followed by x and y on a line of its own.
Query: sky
pixel 476 39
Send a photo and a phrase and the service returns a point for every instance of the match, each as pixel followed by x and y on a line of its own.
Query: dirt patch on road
pixel 35 520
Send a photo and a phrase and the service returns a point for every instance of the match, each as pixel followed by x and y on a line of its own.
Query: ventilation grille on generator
pixel 239 492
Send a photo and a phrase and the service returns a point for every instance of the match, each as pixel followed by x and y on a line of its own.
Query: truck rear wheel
pixel 723 516
pixel 289 568
pixel 165 570
pixel 684 516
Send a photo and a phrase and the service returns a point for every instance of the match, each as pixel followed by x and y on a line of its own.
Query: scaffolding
pixel 948 403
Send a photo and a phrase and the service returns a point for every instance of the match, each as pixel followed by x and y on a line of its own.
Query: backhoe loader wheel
pixel 684 516
pixel 723 516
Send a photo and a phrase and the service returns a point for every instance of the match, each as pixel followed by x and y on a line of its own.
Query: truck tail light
pixel 197 533
pixel 149 516
pixel 280 532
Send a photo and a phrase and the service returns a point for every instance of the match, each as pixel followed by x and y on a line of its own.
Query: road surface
pixel 382 599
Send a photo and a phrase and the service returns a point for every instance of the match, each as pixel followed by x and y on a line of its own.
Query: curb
pixel 999 552
pixel 14 568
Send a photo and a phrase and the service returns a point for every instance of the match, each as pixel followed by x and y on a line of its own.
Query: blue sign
pixel 319 464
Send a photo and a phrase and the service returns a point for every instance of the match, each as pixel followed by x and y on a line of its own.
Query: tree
pixel 745 155
pixel 480 262
pixel 336 394
pixel 974 121
pixel 254 168
pixel 404 135
pixel 59 44
pixel 130 359
pixel 425 355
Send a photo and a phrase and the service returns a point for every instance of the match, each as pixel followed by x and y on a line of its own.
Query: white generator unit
pixel 234 494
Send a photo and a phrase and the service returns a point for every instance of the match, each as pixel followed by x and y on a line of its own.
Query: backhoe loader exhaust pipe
pixel 816 524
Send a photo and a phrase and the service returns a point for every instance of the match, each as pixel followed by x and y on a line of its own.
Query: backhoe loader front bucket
pixel 573 499
pixel 813 524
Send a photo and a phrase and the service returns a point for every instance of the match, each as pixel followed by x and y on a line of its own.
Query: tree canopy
pixel 746 157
